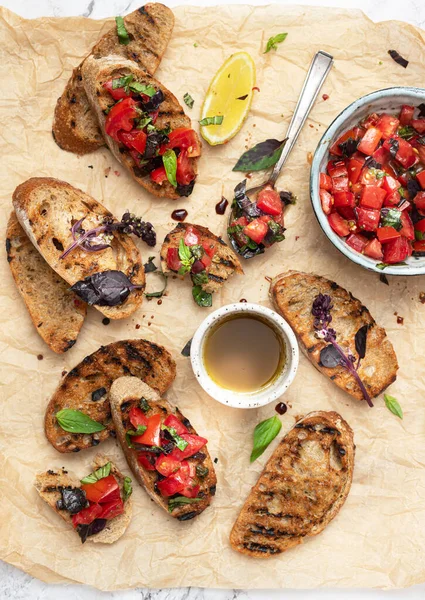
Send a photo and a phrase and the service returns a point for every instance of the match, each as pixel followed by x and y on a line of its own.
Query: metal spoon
pixel 317 73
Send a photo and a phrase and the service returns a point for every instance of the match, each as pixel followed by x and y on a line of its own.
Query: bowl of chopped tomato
pixel 367 181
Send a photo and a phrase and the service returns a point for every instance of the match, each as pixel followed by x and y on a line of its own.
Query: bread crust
pixel 127 392
pixel 56 312
pixel 47 208
pixel 95 72
pixel 75 126
pixel 95 373
pixel 301 489
pixel 293 293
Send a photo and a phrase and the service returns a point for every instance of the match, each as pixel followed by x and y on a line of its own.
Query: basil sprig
pixel 188 100
pixel 179 501
pixel 261 156
pixel 217 120
pixel 131 433
pixel 274 41
pixel 99 474
pixel 122 32
pixel 201 297
pixel 76 421
pixel 169 159
pixel 393 405
pixel 179 441
pixel 127 488
pixel 264 434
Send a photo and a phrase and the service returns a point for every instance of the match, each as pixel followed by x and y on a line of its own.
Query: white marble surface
pixel 15 585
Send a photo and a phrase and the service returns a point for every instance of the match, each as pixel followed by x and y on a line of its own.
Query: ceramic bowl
pixel 269 393
pixel 387 100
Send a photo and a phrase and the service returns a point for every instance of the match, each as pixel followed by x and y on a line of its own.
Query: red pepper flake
pixel 256 88
pixel 137 326
pixel 325 97
pixel 400 320
pixel 297 237
pixel 422 297
pixel 117 173
pixel 311 125
pixel 40 357
pixel 149 324
pixel 248 175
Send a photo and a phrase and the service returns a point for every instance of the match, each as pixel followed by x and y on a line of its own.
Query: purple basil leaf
pixel 330 357
pixel 107 288
pixel 260 157
pixel 84 531
pixel 360 341
pixel 397 57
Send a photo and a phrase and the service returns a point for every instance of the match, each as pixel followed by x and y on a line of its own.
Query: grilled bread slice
pixel 293 293
pixel 224 263
pixel 126 393
pixel 86 388
pixel 47 208
pixel 49 484
pixel 57 313
pixel 75 125
pixel 301 489
pixel 95 73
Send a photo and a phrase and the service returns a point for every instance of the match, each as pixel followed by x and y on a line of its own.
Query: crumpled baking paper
pixel 377 539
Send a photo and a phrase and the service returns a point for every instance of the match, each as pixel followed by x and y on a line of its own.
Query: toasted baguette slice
pixel 301 489
pixel 75 126
pixel 293 293
pixel 225 261
pixel 48 486
pixel 47 208
pixel 127 392
pixel 86 388
pixel 95 73
pixel 57 313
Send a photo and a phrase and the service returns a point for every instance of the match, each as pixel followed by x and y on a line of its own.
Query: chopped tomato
pixel 335 149
pixel 371 177
pixel 268 200
pixel 243 221
pixel 387 234
pixel 381 155
pixel 173 261
pixel 368 219
pixel 185 173
pixel 120 117
pixel 420 226
pixel 167 465
pixel 370 121
pixel 159 175
pixel 185 139
pixel 407 229
pixel 419 201
pixel 338 224
pixel 392 199
pixel 256 230
pixel 419 246
pixel 135 139
pixel 354 168
pixel 191 490
pixel 87 515
pixel 327 201
pixel 210 247
pixel 194 444
pixel 111 509
pixel 390 184
pixel 192 236
pixel 337 169
pixel 405 154
pixel 172 421
pixel 421 178
pixel 340 184
pixel 373 249
pixel 357 241
pixel 325 182
pixel 103 490
pixel 117 93
pixel 419 125
pixel 388 125
pixel 147 460
pixel 370 141
pixel 406 114
pixel 348 213
pixel 206 261
pixel 397 250
pixel 344 199
pixel 372 197
pixel 152 435
pixel 173 484
pixel 137 417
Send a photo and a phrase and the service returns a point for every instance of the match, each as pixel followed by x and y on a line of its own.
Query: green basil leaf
pixel 159 293
pixel 141 88
pixel 76 421
pixel 127 488
pixel 131 433
pixel 144 405
pixel 217 120
pixel 197 251
pixel 201 297
pixel 179 441
pixel 393 405
pixel 122 82
pixel 274 41
pixel 419 236
pixel 201 471
pixel 391 217
pixel 260 157
pixel 122 32
pixel 179 501
pixel 188 100
pixel 185 254
pixel 405 132
pixel 169 159
pixel 99 474
pixel 143 122
pixel 264 433
pixel 199 278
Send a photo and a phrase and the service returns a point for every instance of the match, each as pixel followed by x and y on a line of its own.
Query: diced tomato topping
pixel 357 241
pixel 152 435
pixel 392 199
pixel 420 226
pixel 325 182
pixel 407 229
pixel 256 230
pixel 158 175
pixel 173 484
pixel 87 515
pixel 335 149
pixel 370 121
pixel 206 261
pixel 348 213
pixel 137 417
pixel 381 156
pixel 268 200
pixel 368 219
pixel 387 234
pixel 419 246
pixel 185 139
pixel 120 117
pixel 192 236
pixel 337 169
pixel 405 154
pixel 419 202
pixel 421 178
pixel 135 139
pixel 388 125
pixel 210 247
pixel 185 173
pixel 406 114
pixel 338 224
pixel 373 249
pixel 344 199
pixel 194 444
pixel 327 201
pixel 372 197
pixel 191 490
pixel 354 167
pixel 390 184
pixel 243 221
pixel 111 509
pixel 371 177
pixel 419 125
pixel 147 460
pixel 397 250
pixel 340 184
pixel 117 93
pixel 167 465
pixel 173 421
pixel 173 261
pixel 370 141
pixel 103 490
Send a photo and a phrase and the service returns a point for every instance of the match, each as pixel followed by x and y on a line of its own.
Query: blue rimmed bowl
pixel 387 100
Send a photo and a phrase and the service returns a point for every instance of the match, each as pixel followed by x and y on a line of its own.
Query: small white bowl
pixel 269 393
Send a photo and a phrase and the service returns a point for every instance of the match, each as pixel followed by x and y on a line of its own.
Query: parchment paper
pixel 377 539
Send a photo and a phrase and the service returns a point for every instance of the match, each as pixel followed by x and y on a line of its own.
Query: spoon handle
pixel 317 73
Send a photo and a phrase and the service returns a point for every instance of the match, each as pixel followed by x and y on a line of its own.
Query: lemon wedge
pixel 229 95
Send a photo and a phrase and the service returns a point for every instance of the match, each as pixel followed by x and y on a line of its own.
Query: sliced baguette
pixel 75 126
pixel 48 486
pixel 57 313
pixel 47 208
pixel 125 393
pixel 293 293
pixel 95 72
pixel 301 489
pixel 86 388
pixel 224 263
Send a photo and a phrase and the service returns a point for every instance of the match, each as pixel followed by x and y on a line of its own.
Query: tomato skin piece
pixel 185 139
pixel 256 230
pixel 152 435
pixel 357 241
pixel 166 465
pixel 103 490
pixel 368 219
pixel 158 175
pixel 397 250
pixel 419 201
pixel 390 184
pixel 372 197
pixel 419 246
pixel 117 93
pixel 185 173
pixel 420 226
pixel 326 201
pixel 354 167
pixel 135 139
pixel 406 114
pixel 147 461
pixel 192 236
pixel 340 184
pixel 110 510
pixel 392 199
pixel 407 229
pixel 344 199
pixel 190 491
pixel 338 224
pixel 325 182
pixel 373 249
pixel 206 261
pixel 173 421
pixel 137 417
pixel 370 141
pixel 387 234
pixel 419 125
pixel 173 261
pixel 268 201
pixel 405 154
pixel 241 221
pixel 421 178
pixel 210 247
pixel 337 169
pixel 120 118
pixel 195 443
pixel 388 125
pixel 87 515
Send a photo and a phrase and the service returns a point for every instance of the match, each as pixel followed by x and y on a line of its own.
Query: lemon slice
pixel 230 95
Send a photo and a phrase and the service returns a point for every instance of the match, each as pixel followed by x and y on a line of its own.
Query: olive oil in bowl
pixel 244 353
